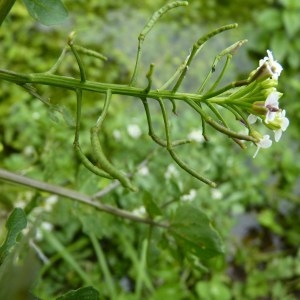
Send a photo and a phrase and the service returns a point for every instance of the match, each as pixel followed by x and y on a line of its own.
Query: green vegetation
pixel 127 211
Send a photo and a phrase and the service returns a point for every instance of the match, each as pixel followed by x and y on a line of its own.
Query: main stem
pixel 98 87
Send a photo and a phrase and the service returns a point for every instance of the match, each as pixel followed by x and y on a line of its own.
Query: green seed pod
pixel 105 164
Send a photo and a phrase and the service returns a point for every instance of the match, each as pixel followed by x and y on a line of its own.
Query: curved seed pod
pixel 89 165
pixel 105 164
pixel 158 14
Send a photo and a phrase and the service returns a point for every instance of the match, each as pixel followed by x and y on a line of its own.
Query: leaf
pixel 47 12
pixel 56 109
pixel 291 23
pixel 84 293
pixel 15 224
pixel 193 232
pixel 150 205
pixel 280 45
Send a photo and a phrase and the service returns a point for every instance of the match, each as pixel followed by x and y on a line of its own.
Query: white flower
pixel 282 122
pixel 196 135
pixel 273 67
pixel 171 172
pixel 272 106
pixel 143 171
pixel 50 202
pixel 140 211
pixel 264 142
pixel 44 226
pixel 117 134
pixel 190 196
pixel 216 194
pixel 134 131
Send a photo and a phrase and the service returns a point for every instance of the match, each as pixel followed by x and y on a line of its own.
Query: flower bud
pixel 258 107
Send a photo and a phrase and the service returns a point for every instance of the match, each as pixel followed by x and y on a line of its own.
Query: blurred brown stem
pixel 71 194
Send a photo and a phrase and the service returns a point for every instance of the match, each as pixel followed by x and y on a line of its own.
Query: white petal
pixel 277 134
pixel 252 119
pixel 285 124
pixel 270 116
pixel 270 55
pixel 265 142
pixel 272 100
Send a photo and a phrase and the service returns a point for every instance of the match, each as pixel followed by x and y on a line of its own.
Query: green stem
pixel 229 56
pixel 147 28
pixel 218 126
pixel 58 62
pixel 229 52
pixel 197 47
pixel 217 113
pixel 104 267
pixel 176 158
pixel 73 84
pixel 55 243
pixel 185 167
pixel 78 115
pixel 131 252
pixel 141 271
pixel 79 61
pixel 85 161
pixel 166 123
pixel 151 133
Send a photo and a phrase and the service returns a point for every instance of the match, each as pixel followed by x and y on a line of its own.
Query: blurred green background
pixel 256 206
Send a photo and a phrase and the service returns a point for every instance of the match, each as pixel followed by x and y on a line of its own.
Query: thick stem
pixel 71 194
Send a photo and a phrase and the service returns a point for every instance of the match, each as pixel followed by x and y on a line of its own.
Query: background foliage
pixel 255 207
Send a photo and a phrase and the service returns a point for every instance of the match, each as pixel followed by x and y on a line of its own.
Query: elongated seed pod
pixel 89 165
pixel 158 14
pixel 206 37
pixel 104 164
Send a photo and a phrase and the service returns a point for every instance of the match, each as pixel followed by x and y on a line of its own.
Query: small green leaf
pixel 84 293
pixel 279 45
pixel 151 207
pixel 15 224
pixel 48 12
pixel 291 23
pixel 194 233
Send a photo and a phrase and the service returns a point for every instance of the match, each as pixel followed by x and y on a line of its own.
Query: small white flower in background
pixel 143 171
pixel 196 135
pixel 171 171
pixel 190 196
pixel 44 226
pixel 117 134
pixel 36 115
pixel 264 142
pixel 140 211
pixel 29 150
pixel 216 194
pixel 273 67
pixel 282 122
pixel 50 201
pixel 134 131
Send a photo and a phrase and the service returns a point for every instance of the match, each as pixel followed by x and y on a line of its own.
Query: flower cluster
pixel 268 111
